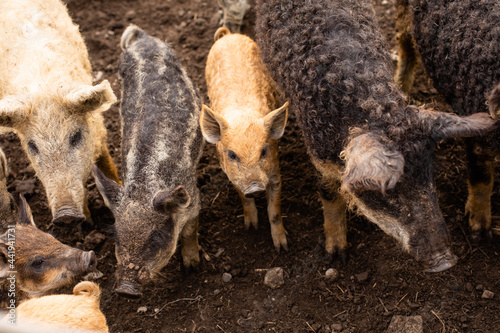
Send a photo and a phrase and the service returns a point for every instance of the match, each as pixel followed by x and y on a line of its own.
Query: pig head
pixel 391 183
pixel 62 136
pixel 247 146
pixel 41 262
pixel 147 229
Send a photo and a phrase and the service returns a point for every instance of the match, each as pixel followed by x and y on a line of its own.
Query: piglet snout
pixel 68 217
pixel 254 190
pixel 129 289
pixel 441 262
pixel 89 261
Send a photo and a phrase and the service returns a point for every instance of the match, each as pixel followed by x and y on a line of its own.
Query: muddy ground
pixel 379 280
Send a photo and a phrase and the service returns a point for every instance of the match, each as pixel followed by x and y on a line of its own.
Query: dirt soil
pixel 379 280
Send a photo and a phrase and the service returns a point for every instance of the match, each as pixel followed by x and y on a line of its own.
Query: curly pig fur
pixel 330 59
pixel 459 44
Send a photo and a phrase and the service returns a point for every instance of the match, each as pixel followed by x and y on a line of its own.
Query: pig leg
pixel 480 184
pixel 106 164
pixel 249 211
pixel 407 58
pixel 334 213
pixel 278 232
pixel 189 240
pixel 334 208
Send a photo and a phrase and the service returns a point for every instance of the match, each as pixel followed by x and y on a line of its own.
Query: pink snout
pixel 129 289
pixel 254 190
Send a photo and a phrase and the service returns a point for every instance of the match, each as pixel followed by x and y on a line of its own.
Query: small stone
pixel 361 277
pixel 130 15
pixel 336 327
pixel 488 294
pixel 274 278
pixel 226 277
pixel 142 309
pixel 469 287
pixel 479 287
pixel 331 274
pixel 407 324
pixel 219 252
pixel 216 291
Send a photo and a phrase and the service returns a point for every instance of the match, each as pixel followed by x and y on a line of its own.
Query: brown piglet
pixel 245 124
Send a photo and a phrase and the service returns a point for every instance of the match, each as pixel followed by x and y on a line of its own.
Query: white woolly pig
pixel 47 98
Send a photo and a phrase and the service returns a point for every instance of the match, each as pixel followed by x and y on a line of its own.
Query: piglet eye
pixel 232 155
pixel 33 149
pixel 75 139
pixel 37 263
pixel 264 152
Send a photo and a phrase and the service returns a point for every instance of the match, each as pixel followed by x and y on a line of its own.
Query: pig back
pixel 160 109
pixel 44 28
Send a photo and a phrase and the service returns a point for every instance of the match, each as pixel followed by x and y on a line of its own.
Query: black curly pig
pixel 459 44
pixel 374 151
pixel 161 145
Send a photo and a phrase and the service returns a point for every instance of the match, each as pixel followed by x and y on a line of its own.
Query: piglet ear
pixel 110 190
pixel 371 164
pixel 14 110
pixel 25 216
pixel 494 102
pixel 275 121
pixel 211 125
pixel 443 125
pixel 85 98
pixel 168 201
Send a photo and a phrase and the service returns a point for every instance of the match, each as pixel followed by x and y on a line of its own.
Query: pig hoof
pixel 344 256
pixel 442 263
pixel 191 269
pixel 477 236
pixel 254 224
pixel 68 218
pixel 488 235
pixel 341 254
pixel 281 244
pixel 129 290
pixel 284 246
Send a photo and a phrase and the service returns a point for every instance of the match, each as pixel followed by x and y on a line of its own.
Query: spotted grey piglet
pixel 161 145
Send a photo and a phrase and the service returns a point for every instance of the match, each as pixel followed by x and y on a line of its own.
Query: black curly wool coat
pixel 330 59
pixel 459 43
